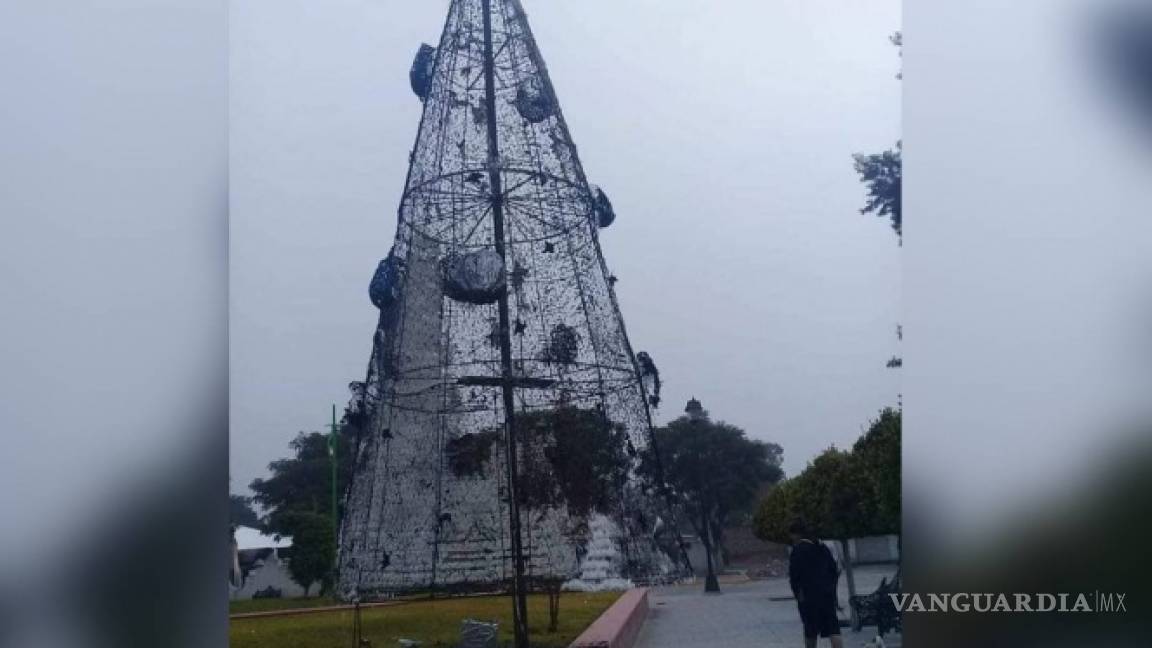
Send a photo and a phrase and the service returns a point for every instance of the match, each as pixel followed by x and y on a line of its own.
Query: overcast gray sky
pixel 722 131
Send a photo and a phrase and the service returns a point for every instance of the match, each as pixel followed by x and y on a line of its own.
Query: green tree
pixel 712 470
pixel 573 458
pixel 879 454
pixel 298 498
pixel 839 500
pixel 241 513
pixel 882 172
pixel 897 39
pixel 776 511
pixel 744 513
pixel 313 549
pixel 834 497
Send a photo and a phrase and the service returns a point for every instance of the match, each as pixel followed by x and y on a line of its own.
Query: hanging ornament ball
pixel 385 283
pixel 602 207
pixel 647 366
pixel 473 277
pixel 421 72
pixel 534 105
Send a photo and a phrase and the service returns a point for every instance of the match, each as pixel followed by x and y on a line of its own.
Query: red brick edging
pixel 620 624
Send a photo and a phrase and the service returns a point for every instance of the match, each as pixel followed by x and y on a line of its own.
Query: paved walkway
pixel 756 614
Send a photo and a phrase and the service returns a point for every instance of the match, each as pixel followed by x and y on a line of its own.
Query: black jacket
pixel 812 570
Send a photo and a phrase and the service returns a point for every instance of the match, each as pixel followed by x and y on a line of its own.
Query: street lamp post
pixel 333 458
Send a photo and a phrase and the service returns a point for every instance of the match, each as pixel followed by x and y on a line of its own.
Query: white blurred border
pixel 113 276
pixel 1027 258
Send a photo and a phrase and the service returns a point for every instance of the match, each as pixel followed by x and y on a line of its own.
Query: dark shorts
pixel 818 614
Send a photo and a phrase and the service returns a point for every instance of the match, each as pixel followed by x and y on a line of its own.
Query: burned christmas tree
pixel 504 404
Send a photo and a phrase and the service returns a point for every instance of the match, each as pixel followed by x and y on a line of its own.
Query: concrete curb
pixel 620 624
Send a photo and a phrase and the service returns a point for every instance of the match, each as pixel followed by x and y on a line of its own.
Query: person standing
pixel 813 574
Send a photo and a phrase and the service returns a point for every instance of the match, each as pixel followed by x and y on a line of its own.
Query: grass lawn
pixel 436 623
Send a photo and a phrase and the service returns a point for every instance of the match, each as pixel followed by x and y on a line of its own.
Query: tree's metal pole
pixel 519 593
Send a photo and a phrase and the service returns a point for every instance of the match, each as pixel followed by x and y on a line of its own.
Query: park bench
pixel 877 608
